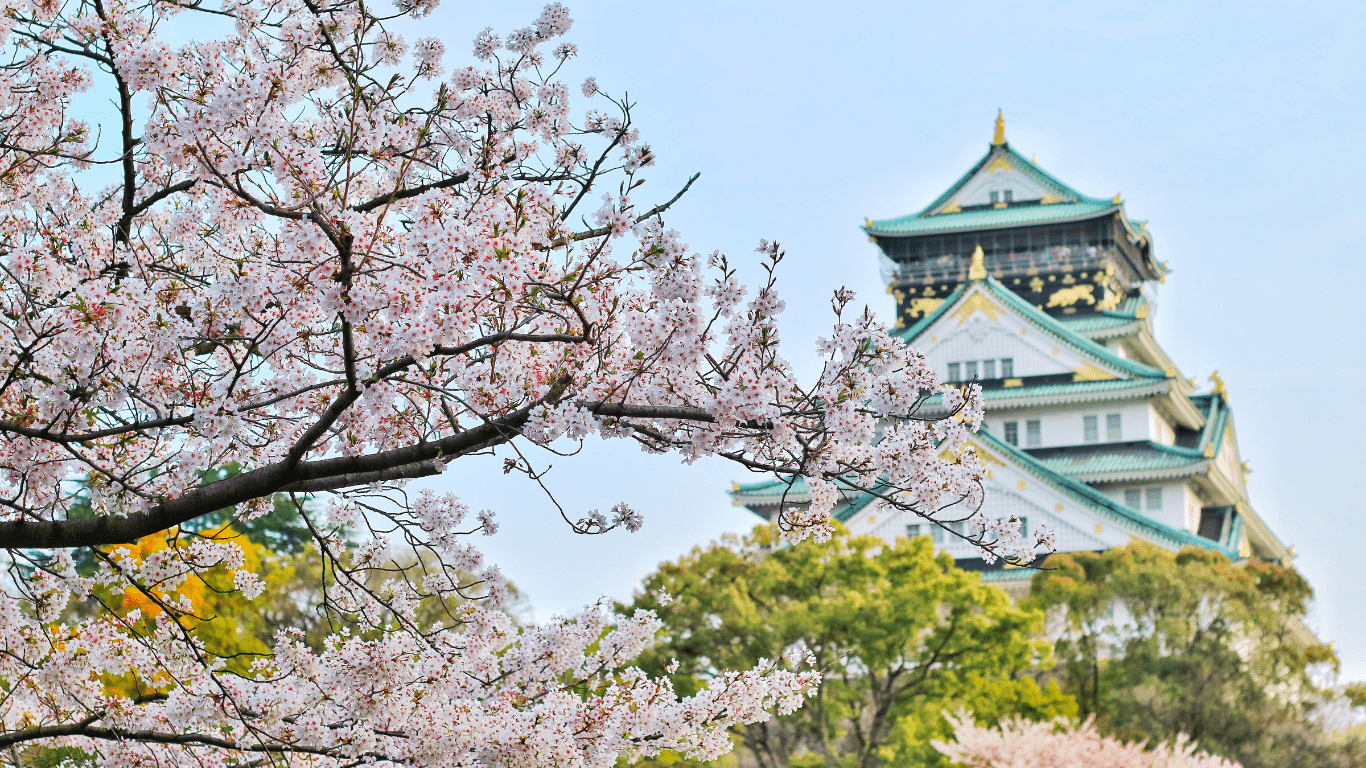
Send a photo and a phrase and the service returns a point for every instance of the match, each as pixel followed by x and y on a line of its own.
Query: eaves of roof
pixel 1064 393
pixel 1102 504
pixel 1008 574
pixel 1107 324
pixel 770 493
pixel 1119 462
pixel 990 218
pixel 1099 326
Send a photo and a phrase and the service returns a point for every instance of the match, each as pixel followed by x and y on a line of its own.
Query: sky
pixel 1234 129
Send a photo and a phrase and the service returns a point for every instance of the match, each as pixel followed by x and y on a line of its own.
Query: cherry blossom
pixel 295 247
pixel 1019 743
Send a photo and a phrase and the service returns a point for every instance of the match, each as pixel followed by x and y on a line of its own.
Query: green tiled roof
pixel 1102 503
pixel 1092 498
pixel 1063 389
pixel 1074 204
pixel 1216 411
pixel 770 492
pixel 1089 324
pixel 1014 216
pixel 774 488
pixel 1143 457
pixel 1121 459
pixel 1124 315
pixel 1018 161
pixel 1066 388
pixel 1008 574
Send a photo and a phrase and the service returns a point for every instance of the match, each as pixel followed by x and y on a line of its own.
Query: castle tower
pixel 1040 294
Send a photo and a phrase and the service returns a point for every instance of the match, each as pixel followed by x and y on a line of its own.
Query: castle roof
pixel 767 495
pixel 1004 190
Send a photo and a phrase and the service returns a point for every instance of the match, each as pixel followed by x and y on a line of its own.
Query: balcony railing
pixel 953 268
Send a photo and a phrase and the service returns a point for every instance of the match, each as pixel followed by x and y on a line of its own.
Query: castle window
pixel 1012 432
pixel 1090 427
pixel 1008 196
pixel 995 197
pixel 1133 498
pixel 970 370
pixel 953 372
pixel 1024 528
pixel 1007 367
pixel 1033 433
pixel 936 534
pixel 1212 524
pixel 1154 498
pixel 988 369
pixel 957 527
pixel 1113 432
pixel 912 531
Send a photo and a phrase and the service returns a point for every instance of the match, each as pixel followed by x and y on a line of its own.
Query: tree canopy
pixel 1156 644
pixel 902 638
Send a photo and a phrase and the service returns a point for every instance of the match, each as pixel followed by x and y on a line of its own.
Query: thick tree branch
pixel 152 737
pixel 354 479
pixel 125 225
pixel 403 194
pixel 259 483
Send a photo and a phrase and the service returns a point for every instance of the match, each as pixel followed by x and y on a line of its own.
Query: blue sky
pixel 1234 129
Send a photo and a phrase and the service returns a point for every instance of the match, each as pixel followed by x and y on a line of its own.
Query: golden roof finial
pixel 978 270
pixel 1000 138
pixel 1218 383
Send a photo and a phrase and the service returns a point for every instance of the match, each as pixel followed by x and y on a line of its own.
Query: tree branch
pixel 402 194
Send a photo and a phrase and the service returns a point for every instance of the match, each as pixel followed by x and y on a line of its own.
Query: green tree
pixel 1156 643
pixel 901 636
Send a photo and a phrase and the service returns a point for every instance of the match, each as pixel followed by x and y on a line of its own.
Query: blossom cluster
pixel 1020 743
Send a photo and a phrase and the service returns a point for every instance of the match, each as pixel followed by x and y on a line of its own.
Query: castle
pixel 1040 293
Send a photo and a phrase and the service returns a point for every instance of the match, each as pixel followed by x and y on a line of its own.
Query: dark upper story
pixel 1065 252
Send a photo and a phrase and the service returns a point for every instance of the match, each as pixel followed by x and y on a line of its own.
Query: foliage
pixel 1019 743
pixel 1157 644
pixel 900 636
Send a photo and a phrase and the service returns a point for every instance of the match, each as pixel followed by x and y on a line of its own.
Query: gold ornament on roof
pixel 978 270
pixel 923 307
pixel 1088 372
pixel 1066 297
pixel 1218 383
pixel 977 302
pixel 1000 138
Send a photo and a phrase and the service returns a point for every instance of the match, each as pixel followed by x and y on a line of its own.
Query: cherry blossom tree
pixel 300 246
pixel 1020 743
